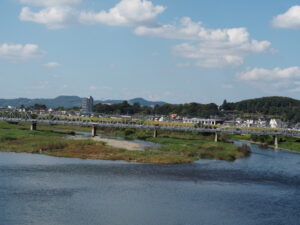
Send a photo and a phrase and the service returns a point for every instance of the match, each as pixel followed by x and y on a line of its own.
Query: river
pixel 41 190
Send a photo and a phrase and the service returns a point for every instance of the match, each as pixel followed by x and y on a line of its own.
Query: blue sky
pixel 171 50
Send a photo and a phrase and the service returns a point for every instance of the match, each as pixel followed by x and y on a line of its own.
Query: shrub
pixel 128 132
pixel 245 149
pixel 53 146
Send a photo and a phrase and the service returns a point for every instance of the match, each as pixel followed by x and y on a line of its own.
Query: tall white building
pixel 87 105
pixel 277 123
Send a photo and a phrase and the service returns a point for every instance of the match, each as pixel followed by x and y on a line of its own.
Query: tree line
pixel 191 109
pixel 285 108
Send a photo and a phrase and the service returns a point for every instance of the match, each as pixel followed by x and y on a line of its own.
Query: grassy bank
pixel 191 146
pixel 287 143
pixel 174 147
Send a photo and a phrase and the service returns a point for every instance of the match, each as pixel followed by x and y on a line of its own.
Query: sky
pixel 170 50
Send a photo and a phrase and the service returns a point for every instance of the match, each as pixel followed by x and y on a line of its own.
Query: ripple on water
pixel 40 190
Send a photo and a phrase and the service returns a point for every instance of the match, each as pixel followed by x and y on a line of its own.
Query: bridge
pixel 17 118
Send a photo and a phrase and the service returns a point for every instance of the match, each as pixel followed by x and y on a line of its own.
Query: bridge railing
pixel 279 132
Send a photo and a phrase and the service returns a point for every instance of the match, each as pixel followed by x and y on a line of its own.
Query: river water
pixel 40 190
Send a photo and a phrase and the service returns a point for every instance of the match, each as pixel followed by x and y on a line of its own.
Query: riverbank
pixel 285 143
pixel 173 149
pixel 194 145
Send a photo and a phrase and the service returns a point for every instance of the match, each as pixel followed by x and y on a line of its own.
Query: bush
pixel 128 132
pixel 245 149
pixel 262 139
pixel 53 146
pixel 8 138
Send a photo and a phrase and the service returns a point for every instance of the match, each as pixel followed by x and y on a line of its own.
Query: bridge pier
pixel 155 133
pixel 33 126
pixel 216 137
pixel 94 131
pixel 276 146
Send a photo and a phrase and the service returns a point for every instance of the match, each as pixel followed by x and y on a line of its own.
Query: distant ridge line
pixel 69 102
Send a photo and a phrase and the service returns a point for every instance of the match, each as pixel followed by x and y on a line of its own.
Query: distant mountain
pixel 141 101
pixel 144 102
pixel 66 101
pixel 69 102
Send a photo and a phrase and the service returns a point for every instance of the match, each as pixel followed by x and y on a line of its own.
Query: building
pixel 249 123
pixel 258 123
pixel 162 119
pixel 277 123
pixel 262 123
pixel 87 105
pixel 202 121
pixel 297 126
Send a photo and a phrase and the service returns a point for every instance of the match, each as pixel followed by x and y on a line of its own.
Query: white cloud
pixel 53 17
pixel 49 3
pixel 52 64
pixel 261 74
pixel 208 57
pixel 190 30
pixel 289 20
pixel 125 13
pixel 272 80
pixel 209 47
pixel 18 51
pixel 57 14
pixel 204 46
pixel 195 31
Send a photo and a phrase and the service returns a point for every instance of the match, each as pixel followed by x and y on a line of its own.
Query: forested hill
pixel 191 109
pixel 284 107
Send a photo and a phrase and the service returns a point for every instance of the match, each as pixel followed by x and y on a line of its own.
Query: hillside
pixel 66 101
pixel 283 107
pixel 144 102
pixel 141 101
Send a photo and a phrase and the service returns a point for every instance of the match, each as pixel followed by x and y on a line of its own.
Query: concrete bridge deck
pixel 279 132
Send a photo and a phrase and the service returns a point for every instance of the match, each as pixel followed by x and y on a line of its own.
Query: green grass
pixel 17 131
pixel 132 133
pixel 193 145
pixel 288 143
pixel 245 137
pixel 200 148
pixel 175 147
pixel 294 146
pixel 18 137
